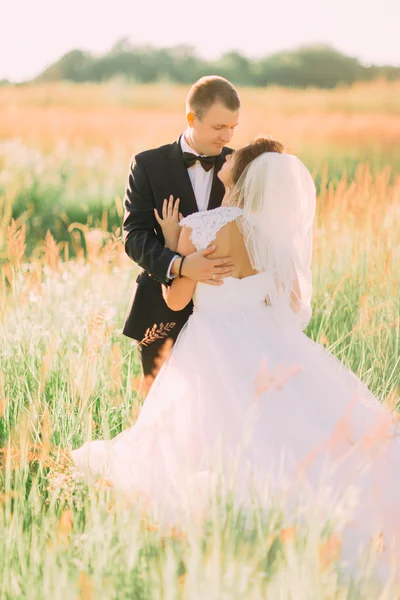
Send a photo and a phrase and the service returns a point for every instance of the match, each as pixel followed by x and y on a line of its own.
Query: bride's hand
pixel 169 222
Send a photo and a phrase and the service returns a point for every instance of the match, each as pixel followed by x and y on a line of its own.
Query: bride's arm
pixel 180 292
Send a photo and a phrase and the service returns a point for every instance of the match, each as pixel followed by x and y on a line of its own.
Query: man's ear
pixel 190 118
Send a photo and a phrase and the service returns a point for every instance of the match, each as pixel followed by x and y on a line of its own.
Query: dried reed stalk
pixel 156 333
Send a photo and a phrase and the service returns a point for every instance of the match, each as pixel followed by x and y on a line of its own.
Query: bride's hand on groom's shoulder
pixel 169 222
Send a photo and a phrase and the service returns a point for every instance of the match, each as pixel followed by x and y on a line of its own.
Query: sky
pixel 35 33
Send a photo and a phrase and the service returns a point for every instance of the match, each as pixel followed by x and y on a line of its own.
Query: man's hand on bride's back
pixel 199 267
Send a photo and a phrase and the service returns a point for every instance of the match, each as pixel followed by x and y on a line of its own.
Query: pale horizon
pixel 35 35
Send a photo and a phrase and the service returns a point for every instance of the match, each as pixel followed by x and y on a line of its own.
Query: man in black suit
pixel 187 169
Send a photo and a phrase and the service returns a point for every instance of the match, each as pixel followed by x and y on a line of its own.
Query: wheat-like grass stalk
pixel 51 251
pixel 16 244
pixel 98 332
pixel 156 333
pixel 6 203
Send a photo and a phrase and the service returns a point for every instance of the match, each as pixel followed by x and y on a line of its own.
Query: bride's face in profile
pixel 224 173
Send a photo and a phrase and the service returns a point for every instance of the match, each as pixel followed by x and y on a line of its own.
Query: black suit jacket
pixel 153 176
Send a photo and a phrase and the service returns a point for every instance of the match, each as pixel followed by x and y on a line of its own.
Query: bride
pixel 244 391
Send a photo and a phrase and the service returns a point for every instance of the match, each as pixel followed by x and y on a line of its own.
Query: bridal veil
pixel 278 198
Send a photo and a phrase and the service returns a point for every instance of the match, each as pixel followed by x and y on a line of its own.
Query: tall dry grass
pixel 67 373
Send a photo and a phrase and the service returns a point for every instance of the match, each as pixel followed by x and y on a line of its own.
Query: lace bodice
pixel 236 294
pixel 206 224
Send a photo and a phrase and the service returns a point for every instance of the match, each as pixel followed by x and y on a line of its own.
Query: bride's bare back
pixel 229 241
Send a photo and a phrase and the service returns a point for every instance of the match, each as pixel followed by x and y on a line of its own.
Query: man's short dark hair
pixel 208 90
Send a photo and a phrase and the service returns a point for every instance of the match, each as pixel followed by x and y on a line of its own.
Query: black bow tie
pixel 207 162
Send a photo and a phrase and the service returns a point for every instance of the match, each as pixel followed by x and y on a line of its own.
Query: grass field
pixel 67 373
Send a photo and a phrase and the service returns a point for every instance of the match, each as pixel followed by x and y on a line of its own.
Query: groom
pixel 212 112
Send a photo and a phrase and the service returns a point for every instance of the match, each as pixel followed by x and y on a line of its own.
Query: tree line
pixel 308 66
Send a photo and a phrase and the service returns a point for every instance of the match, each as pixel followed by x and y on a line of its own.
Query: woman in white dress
pixel 243 387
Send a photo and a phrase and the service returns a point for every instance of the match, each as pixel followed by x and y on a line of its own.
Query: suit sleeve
pixel 139 236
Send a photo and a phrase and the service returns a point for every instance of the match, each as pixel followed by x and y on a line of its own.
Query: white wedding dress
pixel 242 386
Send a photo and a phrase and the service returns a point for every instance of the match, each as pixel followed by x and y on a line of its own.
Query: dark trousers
pixel 153 355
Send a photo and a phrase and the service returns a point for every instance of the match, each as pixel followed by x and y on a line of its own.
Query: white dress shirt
pixel 200 178
pixel 201 181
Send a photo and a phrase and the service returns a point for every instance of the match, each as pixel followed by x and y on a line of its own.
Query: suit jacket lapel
pixel 217 188
pixel 178 173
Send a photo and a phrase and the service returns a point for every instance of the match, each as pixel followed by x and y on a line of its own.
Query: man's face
pixel 210 134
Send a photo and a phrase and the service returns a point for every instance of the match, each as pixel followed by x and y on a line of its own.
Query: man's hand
pixel 207 270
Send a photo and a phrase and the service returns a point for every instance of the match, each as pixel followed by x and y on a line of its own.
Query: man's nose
pixel 227 136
